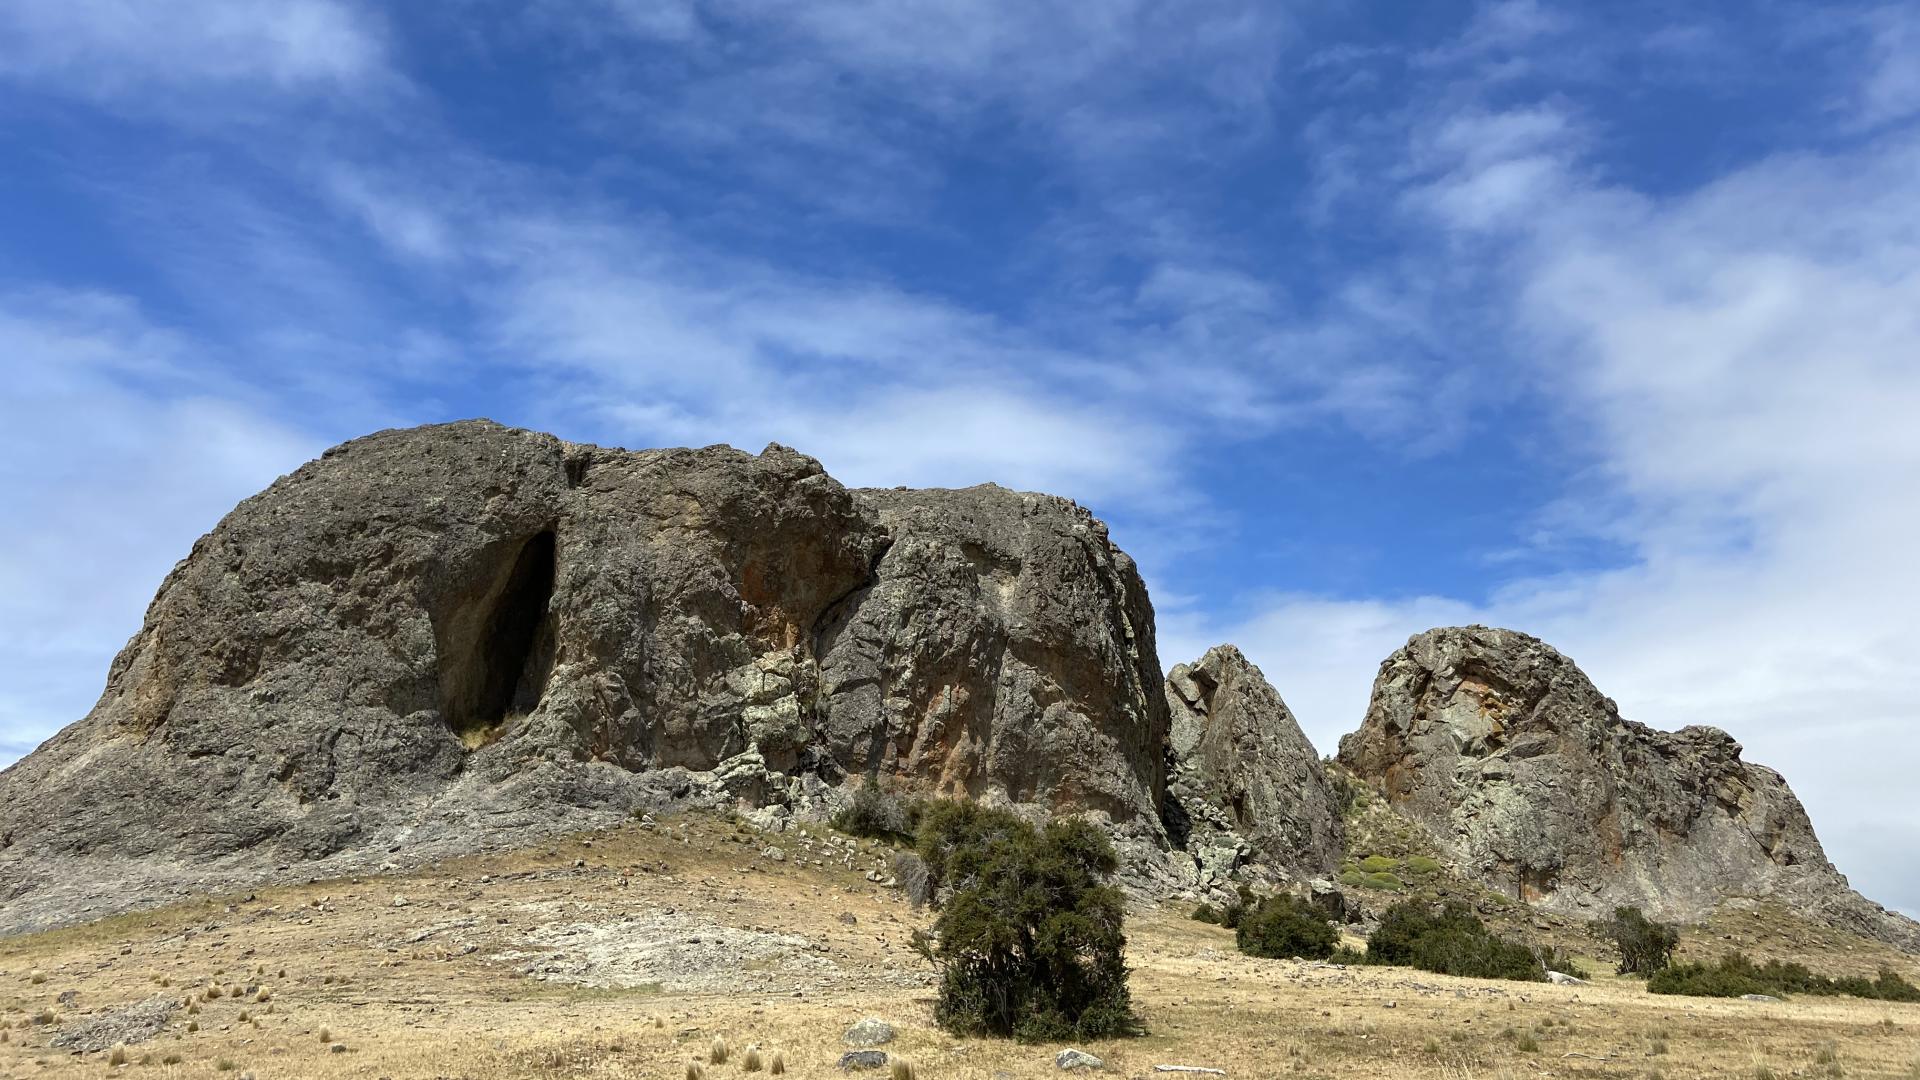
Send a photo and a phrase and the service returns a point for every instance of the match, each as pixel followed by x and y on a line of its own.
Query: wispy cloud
pixel 116 50
pixel 151 451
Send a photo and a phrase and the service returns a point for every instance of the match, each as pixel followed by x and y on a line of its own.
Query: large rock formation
pixel 1246 792
pixel 431 638
pixel 1530 779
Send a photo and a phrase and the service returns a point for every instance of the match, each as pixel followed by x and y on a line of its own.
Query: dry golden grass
pixel 415 1007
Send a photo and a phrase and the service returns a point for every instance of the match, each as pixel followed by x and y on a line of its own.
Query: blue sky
pixel 1602 322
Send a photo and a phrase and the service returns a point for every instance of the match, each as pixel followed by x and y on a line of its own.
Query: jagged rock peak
pixel 1247 788
pixel 428 636
pixel 1530 779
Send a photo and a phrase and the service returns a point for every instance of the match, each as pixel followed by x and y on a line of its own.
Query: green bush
pixel 1206 913
pixel 1378 864
pixel 1421 864
pixel 1645 946
pixel 1353 878
pixel 1283 927
pixel 879 815
pixel 1451 941
pixel 1387 882
pixel 1736 975
pixel 1029 943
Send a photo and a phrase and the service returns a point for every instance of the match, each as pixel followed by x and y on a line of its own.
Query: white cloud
pixel 140 453
pixel 1890 91
pixel 122 49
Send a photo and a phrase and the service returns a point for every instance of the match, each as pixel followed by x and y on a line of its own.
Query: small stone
pixel 869 1032
pixel 848 918
pixel 1077 1059
pixel 1758 997
pixel 773 854
pixel 1561 978
pixel 862 1059
pixel 337 1048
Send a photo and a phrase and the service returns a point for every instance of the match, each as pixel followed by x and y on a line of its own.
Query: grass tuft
pixel 778 1064
pixel 695 1071
pixel 718 1052
pixel 751 1061
pixel 117 1056
pixel 902 1069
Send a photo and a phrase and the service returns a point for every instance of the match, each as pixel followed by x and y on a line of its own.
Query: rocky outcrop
pixel 1005 648
pixel 433 639
pixel 1529 779
pixel 1246 792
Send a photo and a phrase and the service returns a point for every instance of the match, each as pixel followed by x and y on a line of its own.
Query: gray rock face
pixel 1076 1059
pixel 1005 647
pixel 435 639
pixel 1531 780
pixel 128 1025
pixel 1246 787
pixel 869 1032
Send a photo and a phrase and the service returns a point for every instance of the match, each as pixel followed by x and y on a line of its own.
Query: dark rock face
pixel 430 638
pixel 1247 788
pixel 1005 646
pixel 1531 780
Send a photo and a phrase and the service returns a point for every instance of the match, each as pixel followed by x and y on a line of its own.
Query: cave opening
pixel 497 644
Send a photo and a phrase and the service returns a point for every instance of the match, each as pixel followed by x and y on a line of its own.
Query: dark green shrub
pixel 1228 914
pixel 1451 941
pixel 1030 941
pixel 1645 946
pixel 1282 927
pixel 1707 980
pixel 1736 975
pixel 878 814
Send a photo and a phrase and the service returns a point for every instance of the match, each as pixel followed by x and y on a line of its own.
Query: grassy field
pixel 626 954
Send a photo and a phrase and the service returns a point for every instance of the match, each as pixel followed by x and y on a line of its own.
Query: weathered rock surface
pixel 443 638
pixel 1246 789
pixel 129 1025
pixel 1004 647
pixel 869 1032
pixel 1530 779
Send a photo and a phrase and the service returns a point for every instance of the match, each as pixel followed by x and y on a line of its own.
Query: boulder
pixel 1531 781
pixel 1245 784
pixel 1076 1059
pixel 856 1060
pixel 869 1032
